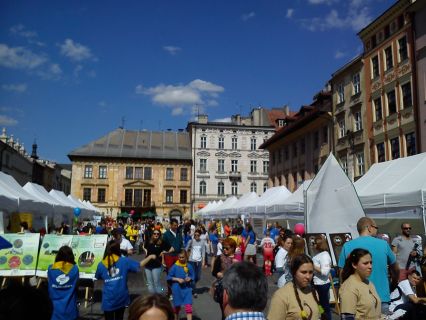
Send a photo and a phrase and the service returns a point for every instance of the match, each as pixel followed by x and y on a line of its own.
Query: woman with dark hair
pixel 62 278
pixel 322 267
pixel 249 243
pixel 298 298
pixel 153 249
pixel 284 245
pixel 358 296
pixel 113 269
pixel 151 307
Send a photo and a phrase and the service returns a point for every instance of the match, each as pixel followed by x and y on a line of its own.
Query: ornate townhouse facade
pixel 301 146
pixel 390 83
pixel 137 171
pixel 350 136
pixel 226 156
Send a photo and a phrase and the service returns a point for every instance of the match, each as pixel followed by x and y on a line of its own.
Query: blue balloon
pixel 77 211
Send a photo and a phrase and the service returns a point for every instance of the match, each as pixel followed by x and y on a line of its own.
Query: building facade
pixel 390 82
pixel 226 156
pixel 301 146
pixel 350 136
pixel 135 171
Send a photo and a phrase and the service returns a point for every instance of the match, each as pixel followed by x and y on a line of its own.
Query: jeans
pixel 197 273
pixel 153 280
pixel 114 315
pixel 324 298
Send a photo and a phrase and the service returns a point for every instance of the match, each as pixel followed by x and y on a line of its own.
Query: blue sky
pixel 71 70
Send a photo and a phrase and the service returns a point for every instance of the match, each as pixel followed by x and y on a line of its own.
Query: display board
pixel 310 243
pixel 21 259
pixel 48 250
pixel 337 241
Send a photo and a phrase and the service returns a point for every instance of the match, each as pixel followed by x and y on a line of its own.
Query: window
pixel 356 84
pixel 129 172
pixel 358 120
pixel 234 188
pixel 360 163
pixel 406 95
pixel 221 144
pixel 340 93
pixel 102 172
pixel 101 195
pixel 183 174
pixel 378 108
pixel 203 165
pixel 375 69
pixel 203 142
pixel 138 172
pixel 169 173
pixel 147 173
pixel 253 166
pixel 88 172
pixel 395 148
pixel 221 165
pixel 410 140
pixel 388 58
pixel 342 128
pixel 147 198
pixel 344 164
pixel 128 197
pixel 183 196
pixel 234 143
pixel 316 140
pixel 265 167
pixel 391 102
pixel 137 197
pixel 403 52
pixel 380 148
pixel 203 188
pixel 253 143
pixel 220 189
pixel 234 165
pixel 265 186
pixel 169 196
pixel 87 194
pixel 281 123
pixel 253 187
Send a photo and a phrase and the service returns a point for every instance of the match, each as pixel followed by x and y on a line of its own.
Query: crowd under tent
pixel 394 192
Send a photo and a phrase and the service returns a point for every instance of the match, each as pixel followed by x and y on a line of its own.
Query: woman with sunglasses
pixel 298 298
pixel 358 296
pixel 224 262
pixel 153 264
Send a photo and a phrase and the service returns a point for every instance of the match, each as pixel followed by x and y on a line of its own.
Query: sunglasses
pixel 408 228
pixel 226 248
pixel 156 233
pixel 375 227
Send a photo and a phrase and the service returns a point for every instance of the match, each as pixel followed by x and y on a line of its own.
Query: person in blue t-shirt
pixel 62 279
pixel 381 254
pixel 113 269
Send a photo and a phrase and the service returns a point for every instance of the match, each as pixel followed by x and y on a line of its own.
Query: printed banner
pixel 21 259
pixel 48 250
pixel 89 251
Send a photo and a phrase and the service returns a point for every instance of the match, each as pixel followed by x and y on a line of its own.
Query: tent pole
pixel 423 212
pixel 305 208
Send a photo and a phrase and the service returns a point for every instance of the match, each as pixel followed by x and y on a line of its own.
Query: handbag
pixel 218 291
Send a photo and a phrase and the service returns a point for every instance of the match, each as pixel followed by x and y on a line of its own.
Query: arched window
pixel 221 144
pixel 203 142
pixel 253 187
pixel 220 188
pixel 203 188
pixel 234 188
pixel 253 143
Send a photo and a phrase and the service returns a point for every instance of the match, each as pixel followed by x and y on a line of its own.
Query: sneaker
pixel 195 295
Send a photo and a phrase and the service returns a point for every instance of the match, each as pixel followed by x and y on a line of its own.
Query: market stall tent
pixel 258 209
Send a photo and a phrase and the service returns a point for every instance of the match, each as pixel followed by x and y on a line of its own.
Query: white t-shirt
pixel 406 289
pixel 280 258
pixel 323 261
pixel 219 249
pixel 125 245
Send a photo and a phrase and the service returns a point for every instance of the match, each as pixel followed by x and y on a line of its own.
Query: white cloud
pixel 102 103
pixel 197 92
pixel 290 13
pixel 172 49
pixel 7 121
pixel 222 120
pixel 30 36
pixel 322 1
pixel 55 69
pixel 247 16
pixel 21 87
pixel 20 58
pixel 77 70
pixel 339 54
pixel 76 51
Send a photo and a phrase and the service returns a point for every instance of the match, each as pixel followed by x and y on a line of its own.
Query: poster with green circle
pixel 89 251
pixel 21 259
pixel 49 249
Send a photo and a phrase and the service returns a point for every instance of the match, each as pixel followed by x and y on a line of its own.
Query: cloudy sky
pixel 72 71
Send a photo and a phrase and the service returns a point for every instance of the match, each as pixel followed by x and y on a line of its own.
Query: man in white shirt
pixel 125 245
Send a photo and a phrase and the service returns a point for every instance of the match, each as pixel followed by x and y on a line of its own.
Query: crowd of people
pixel 377 279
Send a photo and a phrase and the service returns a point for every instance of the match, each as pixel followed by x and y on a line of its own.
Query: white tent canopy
pixel 85 212
pixel 395 189
pixel 247 198
pixel 208 210
pixel 41 193
pixel 258 209
pixel 228 203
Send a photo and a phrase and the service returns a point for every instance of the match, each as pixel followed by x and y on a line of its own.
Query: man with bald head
pixel 382 257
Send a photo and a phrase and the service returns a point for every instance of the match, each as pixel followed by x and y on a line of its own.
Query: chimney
pixel 203 118
pixel 34 152
pixel 3 136
pixel 286 110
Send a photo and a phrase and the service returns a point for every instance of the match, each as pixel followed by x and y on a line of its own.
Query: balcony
pixel 137 204
pixel 235 175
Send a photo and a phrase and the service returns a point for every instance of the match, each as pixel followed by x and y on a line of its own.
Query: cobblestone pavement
pixel 203 306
